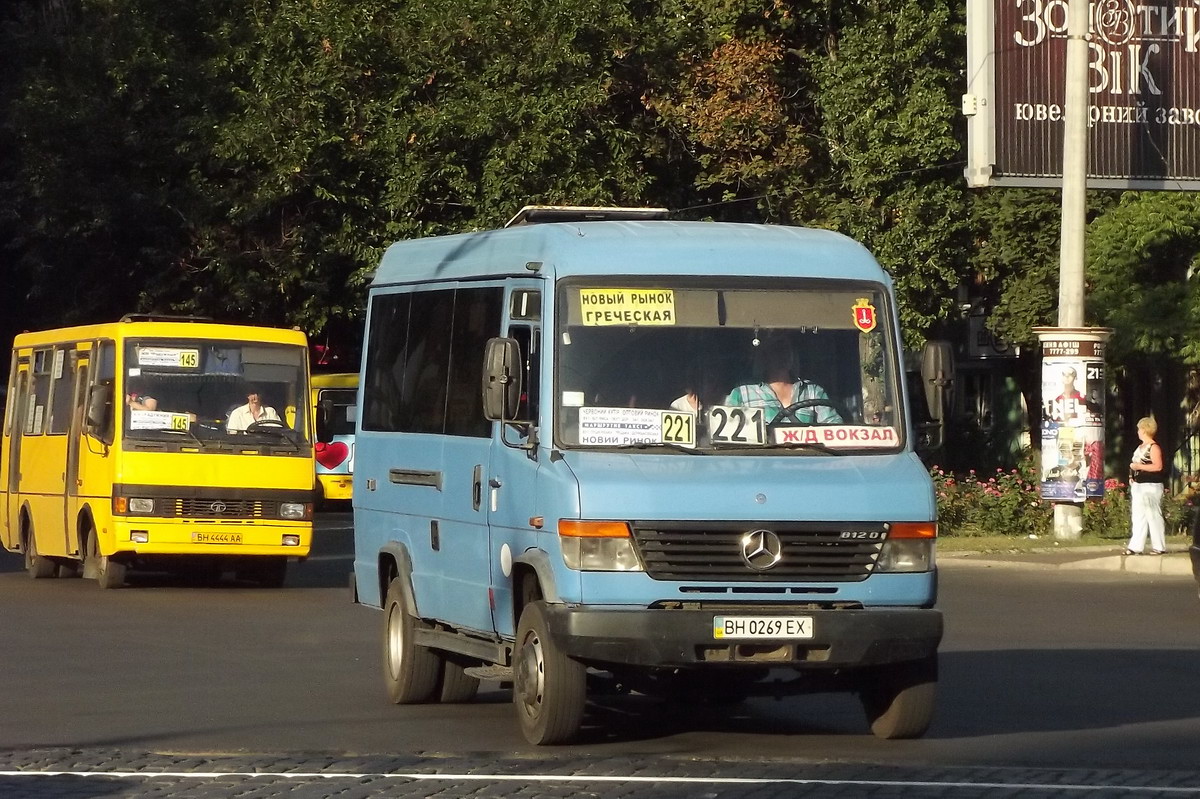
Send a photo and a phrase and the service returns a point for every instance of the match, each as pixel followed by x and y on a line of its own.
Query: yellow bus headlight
pixel 294 510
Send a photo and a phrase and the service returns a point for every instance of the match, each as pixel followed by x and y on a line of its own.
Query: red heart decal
pixel 331 455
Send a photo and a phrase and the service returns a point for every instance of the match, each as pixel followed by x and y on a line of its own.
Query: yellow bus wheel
pixel 108 571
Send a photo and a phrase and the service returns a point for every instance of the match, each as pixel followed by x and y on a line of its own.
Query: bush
pixel 1008 503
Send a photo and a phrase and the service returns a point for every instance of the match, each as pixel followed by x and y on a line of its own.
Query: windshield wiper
pixel 663 445
pixel 809 445
pixel 285 433
pixel 182 431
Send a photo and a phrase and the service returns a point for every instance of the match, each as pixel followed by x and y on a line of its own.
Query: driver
pixel 781 389
pixel 253 411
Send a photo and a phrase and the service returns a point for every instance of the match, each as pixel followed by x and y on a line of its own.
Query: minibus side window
pixel 10 399
pixel 61 395
pixel 35 420
pixel 427 365
pixel 386 345
pixel 477 313
pixel 104 374
pixel 527 340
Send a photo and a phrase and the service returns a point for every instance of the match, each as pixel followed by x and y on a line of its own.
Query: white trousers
pixel 1145 500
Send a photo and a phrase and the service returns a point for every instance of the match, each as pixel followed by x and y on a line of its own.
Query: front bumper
pixel 683 638
pixel 187 537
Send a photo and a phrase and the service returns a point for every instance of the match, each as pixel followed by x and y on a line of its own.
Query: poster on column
pixel 1072 428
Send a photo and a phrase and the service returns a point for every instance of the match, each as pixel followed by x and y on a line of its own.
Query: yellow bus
pixel 335 406
pixel 158 442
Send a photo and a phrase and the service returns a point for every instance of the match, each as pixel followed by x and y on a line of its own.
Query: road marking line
pixel 299 775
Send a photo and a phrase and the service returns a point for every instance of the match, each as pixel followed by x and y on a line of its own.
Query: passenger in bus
pixel 780 388
pixel 139 400
pixel 253 411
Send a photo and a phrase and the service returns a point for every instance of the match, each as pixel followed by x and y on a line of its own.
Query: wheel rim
pixel 395 640
pixel 532 675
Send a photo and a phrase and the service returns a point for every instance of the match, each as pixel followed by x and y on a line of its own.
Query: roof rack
pixel 539 214
pixel 151 317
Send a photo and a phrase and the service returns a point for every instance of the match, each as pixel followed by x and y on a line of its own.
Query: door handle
pixel 477 487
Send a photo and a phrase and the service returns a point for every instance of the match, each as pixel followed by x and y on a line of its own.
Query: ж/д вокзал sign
pixel 1144 93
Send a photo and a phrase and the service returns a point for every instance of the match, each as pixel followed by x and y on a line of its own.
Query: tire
pixel 456 685
pixel 549 688
pixel 108 571
pixel 899 699
pixel 410 671
pixel 38 566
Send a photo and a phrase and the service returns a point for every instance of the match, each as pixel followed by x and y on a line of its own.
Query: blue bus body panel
pixel 632 248
pixel 753 489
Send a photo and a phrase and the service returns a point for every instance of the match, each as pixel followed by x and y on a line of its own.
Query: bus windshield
pixel 216 392
pixel 742 366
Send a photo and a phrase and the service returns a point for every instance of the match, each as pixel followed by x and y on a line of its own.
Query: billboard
pixel 1144 93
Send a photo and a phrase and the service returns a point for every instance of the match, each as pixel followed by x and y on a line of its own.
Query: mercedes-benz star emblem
pixel 761 549
pixel 218 507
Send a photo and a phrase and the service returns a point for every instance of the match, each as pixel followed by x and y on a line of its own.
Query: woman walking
pixel 1146 478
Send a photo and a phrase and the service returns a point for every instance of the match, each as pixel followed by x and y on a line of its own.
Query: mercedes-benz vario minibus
pixel 673 456
pixel 183 445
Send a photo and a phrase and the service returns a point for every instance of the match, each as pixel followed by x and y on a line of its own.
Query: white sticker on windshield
pixel 150 420
pixel 572 399
pixel 616 427
pixel 177 357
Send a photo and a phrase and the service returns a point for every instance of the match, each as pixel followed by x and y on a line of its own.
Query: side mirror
pixel 99 412
pixel 502 380
pixel 324 414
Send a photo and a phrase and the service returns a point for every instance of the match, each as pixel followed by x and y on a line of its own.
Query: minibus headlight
pixel 293 510
pixel 143 505
pixel 597 546
pixel 910 547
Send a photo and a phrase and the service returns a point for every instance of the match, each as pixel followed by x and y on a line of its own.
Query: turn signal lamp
pixel 909 548
pixel 598 546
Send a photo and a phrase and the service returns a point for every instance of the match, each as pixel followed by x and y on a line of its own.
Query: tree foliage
pixel 250 159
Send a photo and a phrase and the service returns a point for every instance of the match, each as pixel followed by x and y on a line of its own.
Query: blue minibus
pixel 601 448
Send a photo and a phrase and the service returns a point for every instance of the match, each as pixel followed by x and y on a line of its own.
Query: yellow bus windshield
pixel 216 393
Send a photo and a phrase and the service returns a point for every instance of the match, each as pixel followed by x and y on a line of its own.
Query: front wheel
pixel 108 570
pixel 549 688
pixel 899 699
pixel 410 670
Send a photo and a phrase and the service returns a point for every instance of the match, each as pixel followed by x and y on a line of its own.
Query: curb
pixel 1172 565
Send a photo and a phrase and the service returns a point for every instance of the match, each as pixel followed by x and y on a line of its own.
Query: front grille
pixel 809 551
pixel 213 508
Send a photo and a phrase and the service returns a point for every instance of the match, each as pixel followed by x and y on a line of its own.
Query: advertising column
pixel 1073 389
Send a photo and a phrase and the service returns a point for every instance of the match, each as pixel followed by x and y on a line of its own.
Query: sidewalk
pixel 1176 563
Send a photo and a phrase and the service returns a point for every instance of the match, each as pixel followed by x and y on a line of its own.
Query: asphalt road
pixel 1076 672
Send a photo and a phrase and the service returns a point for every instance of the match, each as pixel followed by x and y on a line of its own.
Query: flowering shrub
pixel 1004 503
pixel 1008 503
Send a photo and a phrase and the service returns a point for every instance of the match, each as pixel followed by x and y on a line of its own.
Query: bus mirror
pixel 501 379
pixel 324 415
pixel 99 412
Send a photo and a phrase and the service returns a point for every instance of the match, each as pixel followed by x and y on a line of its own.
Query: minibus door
pixel 19 401
pixel 511 493
pixel 74 437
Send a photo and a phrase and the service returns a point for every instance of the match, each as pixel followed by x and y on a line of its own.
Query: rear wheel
pixel 549 688
pixel 38 566
pixel 899 699
pixel 108 570
pixel 410 670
